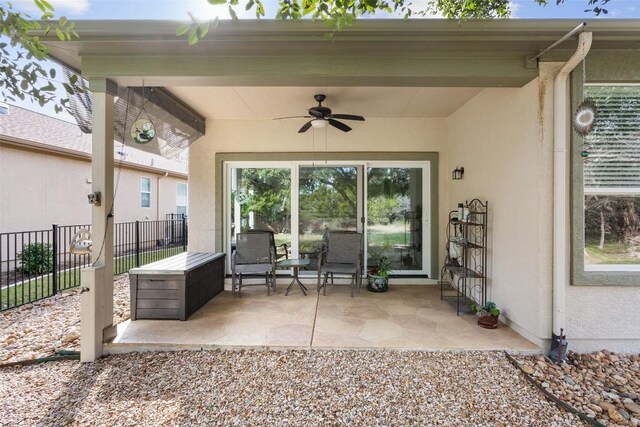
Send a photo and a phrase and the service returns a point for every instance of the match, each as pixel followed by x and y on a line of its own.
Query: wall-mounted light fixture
pixel 457 173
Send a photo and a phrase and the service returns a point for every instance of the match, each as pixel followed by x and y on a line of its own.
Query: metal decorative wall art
pixel 585 117
pixel 143 131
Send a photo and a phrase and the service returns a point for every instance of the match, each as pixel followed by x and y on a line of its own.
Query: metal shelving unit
pixel 463 277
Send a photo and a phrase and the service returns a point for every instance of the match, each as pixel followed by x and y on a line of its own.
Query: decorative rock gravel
pixel 38 329
pixel 603 385
pixel 278 388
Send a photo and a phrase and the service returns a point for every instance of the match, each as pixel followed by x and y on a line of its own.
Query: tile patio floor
pixel 405 317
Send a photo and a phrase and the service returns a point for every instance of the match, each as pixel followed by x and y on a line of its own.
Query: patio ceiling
pixel 377 68
pixel 371 102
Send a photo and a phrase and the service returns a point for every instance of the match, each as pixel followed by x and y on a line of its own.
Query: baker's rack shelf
pixel 463 277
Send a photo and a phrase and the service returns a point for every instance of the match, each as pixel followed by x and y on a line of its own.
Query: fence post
pixel 184 233
pixel 137 243
pixel 54 285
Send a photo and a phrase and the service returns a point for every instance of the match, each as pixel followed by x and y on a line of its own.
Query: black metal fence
pixel 38 264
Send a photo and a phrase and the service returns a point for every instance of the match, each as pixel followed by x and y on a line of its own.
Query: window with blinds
pixel 612 180
pixel 613 164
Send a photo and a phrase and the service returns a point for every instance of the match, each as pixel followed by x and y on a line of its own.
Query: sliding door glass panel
pixel 394 217
pixel 261 200
pixel 328 200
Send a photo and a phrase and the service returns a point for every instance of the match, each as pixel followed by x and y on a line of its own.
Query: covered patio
pixel 407 317
pixel 436 95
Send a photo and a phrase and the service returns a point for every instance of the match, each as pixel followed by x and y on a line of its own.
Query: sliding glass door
pixel 260 199
pixel 395 217
pixel 329 199
pixel 301 202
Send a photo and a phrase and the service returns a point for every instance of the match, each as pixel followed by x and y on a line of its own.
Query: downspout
pixel 561 182
pixel 166 174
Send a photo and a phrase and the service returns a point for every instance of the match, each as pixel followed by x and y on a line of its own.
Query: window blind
pixel 613 164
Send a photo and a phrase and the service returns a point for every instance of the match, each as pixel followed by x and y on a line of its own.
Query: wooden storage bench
pixel 175 287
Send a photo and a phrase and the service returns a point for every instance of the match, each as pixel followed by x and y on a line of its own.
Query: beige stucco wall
pixel 604 317
pixel 38 190
pixel 506 154
pixel 394 135
pixel 504 139
pixel 127 207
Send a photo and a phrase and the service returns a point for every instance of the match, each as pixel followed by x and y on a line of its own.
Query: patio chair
pixel 254 254
pixel 343 255
pixel 281 250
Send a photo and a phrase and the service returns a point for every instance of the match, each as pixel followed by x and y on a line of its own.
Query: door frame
pixel 362 167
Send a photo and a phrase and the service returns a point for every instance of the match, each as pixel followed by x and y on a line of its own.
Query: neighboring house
pixel 45 176
pixel 436 95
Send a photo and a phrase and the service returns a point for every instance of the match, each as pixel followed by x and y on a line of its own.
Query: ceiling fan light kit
pixel 319 123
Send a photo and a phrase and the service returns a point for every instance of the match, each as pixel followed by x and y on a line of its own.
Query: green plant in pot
pixel 378 277
pixel 487 315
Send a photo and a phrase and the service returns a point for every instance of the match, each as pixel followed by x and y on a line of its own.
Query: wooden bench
pixel 175 287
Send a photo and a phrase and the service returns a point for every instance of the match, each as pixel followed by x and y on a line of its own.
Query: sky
pixel 179 9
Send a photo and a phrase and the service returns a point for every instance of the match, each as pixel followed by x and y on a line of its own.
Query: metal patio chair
pixel 254 254
pixel 343 255
pixel 281 250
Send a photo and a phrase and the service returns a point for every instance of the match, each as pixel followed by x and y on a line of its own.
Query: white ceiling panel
pixel 372 102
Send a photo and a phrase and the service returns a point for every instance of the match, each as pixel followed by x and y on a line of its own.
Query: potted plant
pixel 378 277
pixel 487 315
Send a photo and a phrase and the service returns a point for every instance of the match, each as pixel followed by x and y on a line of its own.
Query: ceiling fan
pixel 322 116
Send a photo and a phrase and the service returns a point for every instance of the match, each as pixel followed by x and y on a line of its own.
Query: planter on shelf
pixel 487 315
pixel 378 277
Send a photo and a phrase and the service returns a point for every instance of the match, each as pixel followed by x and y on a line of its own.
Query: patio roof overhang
pixel 379 53
pixel 395 53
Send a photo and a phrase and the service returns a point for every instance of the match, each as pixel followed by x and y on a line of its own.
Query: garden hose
pixel 57 355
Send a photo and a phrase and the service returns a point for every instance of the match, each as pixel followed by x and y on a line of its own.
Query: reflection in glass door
pixel 395 217
pixel 329 199
pixel 261 200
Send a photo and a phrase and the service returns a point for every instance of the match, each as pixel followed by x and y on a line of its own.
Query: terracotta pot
pixel 488 322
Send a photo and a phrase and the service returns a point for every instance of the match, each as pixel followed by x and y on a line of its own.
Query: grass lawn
pixel 613 252
pixel 42 286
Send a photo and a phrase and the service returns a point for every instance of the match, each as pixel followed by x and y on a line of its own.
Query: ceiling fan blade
pixel 347 117
pixel 337 124
pixel 293 117
pixel 305 127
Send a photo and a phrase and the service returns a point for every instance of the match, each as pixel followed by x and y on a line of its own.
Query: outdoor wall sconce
pixel 457 173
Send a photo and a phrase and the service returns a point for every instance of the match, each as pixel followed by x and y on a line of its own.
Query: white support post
pixel 96 314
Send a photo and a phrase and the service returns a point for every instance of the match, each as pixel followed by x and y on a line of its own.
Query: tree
pixel 339 14
pixel 24 73
pixel 265 192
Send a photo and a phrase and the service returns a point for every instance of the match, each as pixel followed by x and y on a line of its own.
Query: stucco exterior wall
pixel 603 317
pixel 128 207
pixel 253 136
pixel 505 148
pixel 504 139
pixel 38 190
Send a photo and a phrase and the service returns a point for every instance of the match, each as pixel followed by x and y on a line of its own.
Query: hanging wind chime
pixel 584 119
pixel 143 130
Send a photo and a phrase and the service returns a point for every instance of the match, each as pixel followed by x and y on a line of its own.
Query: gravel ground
pixel 286 388
pixel 38 329
pixel 294 387
pixel 604 385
